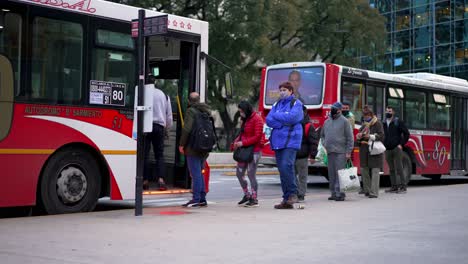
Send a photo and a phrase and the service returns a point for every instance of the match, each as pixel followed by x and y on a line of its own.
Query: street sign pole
pixel 140 141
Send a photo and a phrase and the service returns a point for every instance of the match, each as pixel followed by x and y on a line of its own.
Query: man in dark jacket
pixel 309 144
pixel 195 159
pixel 396 136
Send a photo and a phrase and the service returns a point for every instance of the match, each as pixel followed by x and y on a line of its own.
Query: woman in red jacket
pixel 251 134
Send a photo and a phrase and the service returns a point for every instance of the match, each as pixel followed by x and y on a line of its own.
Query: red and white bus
pixel 434 108
pixel 68 76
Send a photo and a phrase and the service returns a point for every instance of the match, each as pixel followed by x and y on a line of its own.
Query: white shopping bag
pixel 376 147
pixel 349 180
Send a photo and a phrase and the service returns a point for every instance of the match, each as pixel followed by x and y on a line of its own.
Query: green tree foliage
pixel 250 34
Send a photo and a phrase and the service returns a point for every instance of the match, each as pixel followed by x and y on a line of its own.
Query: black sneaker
pixel 191 203
pixel 402 189
pixel 203 203
pixel 252 203
pixel 301 198
pixel 284 205
pixel 339 199
pixel 393 189
pixel 244 200
pixel 361 192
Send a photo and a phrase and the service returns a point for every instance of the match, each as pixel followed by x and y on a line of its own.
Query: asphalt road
pixel 426 225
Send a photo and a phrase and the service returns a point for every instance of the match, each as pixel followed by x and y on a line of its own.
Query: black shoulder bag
pixel 243 154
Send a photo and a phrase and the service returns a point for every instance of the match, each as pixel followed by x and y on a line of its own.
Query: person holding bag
pixel 370 132
pixel 247 152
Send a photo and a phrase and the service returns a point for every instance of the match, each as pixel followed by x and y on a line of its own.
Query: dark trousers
pixel 155 138
pixel 395 164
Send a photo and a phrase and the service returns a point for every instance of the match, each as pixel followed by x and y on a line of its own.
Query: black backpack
pixel 203 135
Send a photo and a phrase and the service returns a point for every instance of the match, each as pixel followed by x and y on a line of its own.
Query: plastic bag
pixel 348 178
pixel 321 154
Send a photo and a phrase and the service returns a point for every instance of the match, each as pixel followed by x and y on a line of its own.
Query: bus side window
pixel 415 107
pixel 353 93
pixel 10 44
pixel 116 63
pixel 395 99
pixel 56 60
pixel 439 112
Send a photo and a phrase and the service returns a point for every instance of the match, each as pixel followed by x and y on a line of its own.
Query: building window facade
pixel 423 35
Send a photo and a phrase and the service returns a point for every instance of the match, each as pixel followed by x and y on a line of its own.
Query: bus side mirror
pixel 228 85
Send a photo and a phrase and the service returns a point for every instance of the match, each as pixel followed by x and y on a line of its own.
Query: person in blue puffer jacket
pixel 285 119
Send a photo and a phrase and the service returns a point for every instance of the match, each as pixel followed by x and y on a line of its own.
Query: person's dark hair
pixel 346 103
pixel 391 107
pixel 246 107
pixel 150 79
pixel 286 85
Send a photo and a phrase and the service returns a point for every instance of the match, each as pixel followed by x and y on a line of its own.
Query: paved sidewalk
pixel 427 225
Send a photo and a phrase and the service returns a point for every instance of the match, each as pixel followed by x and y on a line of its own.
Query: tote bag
pixel 376 148
pixel 349 180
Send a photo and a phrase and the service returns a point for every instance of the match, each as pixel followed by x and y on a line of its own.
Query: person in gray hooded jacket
pixel 337 139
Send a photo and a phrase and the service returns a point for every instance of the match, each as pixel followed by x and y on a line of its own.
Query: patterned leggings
pixel 251 168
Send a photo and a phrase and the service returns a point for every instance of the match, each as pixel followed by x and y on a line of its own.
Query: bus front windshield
pixel 307 83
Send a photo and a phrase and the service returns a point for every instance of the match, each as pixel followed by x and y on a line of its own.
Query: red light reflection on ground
pixel 173 212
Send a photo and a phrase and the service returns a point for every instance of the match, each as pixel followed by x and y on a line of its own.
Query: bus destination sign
pixel 107 93
pixel 157 25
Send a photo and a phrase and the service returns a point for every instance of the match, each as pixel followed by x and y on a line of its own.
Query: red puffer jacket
pixel 253 132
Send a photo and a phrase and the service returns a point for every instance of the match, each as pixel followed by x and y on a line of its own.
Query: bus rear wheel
pixel 70 182
pixel 407 166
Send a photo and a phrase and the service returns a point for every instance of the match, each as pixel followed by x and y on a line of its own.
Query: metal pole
pixel 433 57
pixel 140 141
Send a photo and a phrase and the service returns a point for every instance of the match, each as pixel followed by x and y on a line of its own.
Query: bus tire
pixel 70 182
pixel 407 166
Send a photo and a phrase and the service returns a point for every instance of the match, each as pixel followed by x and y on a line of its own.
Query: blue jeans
pixel 285 160
pixel 195 165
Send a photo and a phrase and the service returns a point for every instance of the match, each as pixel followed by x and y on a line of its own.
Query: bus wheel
pixel 70 182
pixel 407 167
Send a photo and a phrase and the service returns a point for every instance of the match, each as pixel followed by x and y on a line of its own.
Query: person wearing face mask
pixel 285 119
pixel 396 136
pixel 250 134
pixel 337 139
pixel 371 130
pixel 347 113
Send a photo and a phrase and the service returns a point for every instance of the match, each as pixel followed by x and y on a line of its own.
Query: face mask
pixel 283 94
pixel 345 112
pixel 388 115
pixel 334 111
pixel 368 119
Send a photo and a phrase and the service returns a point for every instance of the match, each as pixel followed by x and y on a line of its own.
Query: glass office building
pixel 423 36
